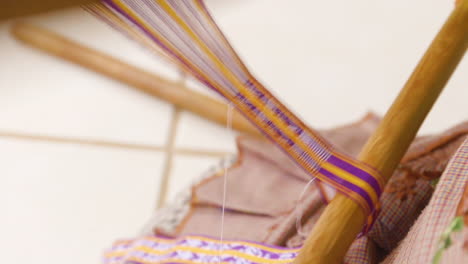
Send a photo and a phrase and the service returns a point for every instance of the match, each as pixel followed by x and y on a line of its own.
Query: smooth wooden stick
pixel 16 8
pixel 149 83
pixel 342 220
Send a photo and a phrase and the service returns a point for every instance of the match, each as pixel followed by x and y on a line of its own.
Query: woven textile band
pixel 196 249
pixel 184 31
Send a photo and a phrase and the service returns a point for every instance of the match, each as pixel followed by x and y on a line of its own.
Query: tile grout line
pixel 78 141
pixel 108 144
pixel 208 153
pixel 166 173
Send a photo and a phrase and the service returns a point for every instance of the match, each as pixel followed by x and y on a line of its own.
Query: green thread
pixel 434 182
pixel 445 239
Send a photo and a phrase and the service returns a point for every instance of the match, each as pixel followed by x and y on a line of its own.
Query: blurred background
pixel 83 158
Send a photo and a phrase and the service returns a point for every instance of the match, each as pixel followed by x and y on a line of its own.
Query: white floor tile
pixel 63 203
pixel 198 133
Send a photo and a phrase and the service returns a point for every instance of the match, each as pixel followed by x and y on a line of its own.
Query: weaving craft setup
pixel 343 173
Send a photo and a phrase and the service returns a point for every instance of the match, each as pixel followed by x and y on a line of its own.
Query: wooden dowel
pixel 343 219
pixel 149 83
pixel 16 8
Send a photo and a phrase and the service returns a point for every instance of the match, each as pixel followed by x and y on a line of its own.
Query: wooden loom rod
pixel 343 219
pixel 16 8
pixel 144 81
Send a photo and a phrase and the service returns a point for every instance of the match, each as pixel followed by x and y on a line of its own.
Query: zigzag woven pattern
pixel 196 249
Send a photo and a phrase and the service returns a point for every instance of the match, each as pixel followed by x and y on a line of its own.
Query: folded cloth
pixel 462 211
pixel 263 190
pixel 462 208
pixel 410 188
pixel 423 240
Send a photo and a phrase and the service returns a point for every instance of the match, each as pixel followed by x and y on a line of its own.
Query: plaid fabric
pixel 421 243
pixel 399 215
pixel 391 226
pixel 363 250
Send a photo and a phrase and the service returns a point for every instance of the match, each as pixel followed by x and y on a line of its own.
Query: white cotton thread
pixel 225 175
pixel 299 213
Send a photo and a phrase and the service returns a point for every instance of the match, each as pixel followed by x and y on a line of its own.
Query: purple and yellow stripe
pixel 196 249
pixel 185 32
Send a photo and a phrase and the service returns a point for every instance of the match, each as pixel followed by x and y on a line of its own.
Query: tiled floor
pixel 64 202
pixel 83 158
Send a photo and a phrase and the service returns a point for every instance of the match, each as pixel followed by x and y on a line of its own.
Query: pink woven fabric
pixel 362 251
pixel 263 189
pixel 420 245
